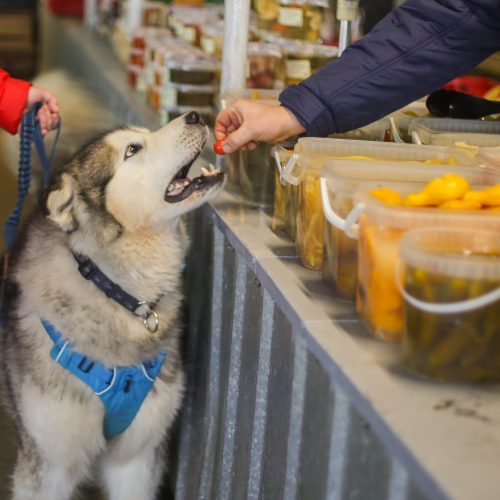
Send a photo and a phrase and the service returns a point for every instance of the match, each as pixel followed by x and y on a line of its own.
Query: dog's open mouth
pixel 182 186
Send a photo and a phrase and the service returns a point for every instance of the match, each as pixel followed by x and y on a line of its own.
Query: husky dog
pixel 117 205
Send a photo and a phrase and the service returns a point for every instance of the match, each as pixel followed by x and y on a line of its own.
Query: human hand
pixel 245 122
pixel 48 114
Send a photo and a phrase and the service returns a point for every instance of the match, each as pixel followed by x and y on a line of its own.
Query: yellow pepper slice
pixel 461 205
pixel 448 187
pixel 489 196
pixel 387 195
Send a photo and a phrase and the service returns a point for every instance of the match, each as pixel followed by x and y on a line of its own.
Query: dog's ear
pixel 61 199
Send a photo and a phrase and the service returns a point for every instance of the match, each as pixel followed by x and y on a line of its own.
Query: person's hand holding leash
pixel 245 122
pixel 48 114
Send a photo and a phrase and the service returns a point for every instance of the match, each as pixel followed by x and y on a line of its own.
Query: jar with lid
pixel 182 94
pixel 267 13
pixel 451 290
pixel 264 66
pixel 302 59
pixel 300 19
pixel 212 39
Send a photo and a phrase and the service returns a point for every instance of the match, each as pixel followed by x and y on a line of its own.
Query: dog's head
pixel 131 179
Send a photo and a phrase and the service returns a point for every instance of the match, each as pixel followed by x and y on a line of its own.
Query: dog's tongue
pixel 177 186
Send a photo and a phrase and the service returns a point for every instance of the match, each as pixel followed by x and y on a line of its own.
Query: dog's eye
pixel 132 149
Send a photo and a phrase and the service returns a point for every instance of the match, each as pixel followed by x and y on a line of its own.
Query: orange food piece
pixel 310 222
pixel 379 300
pixel 387 195
pixel 461 205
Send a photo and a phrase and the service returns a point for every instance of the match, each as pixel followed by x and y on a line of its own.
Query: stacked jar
pixel 185 79
pixel 302 59
pixel 141 54
pixel 264 66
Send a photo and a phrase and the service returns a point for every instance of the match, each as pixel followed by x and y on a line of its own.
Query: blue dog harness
pixel 121 389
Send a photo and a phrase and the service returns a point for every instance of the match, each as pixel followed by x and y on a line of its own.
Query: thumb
pixel 238 139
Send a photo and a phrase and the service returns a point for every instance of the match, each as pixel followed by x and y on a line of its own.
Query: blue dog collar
pixel 121 389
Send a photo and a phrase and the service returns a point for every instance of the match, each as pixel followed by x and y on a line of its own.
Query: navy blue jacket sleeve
pixel 416 49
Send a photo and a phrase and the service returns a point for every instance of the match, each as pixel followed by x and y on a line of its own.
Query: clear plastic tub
pixel 451 289
pixel 449 131
pixel 212 39
pixel 257 185
pixel 311 154
pixel 256 174
pixel 300 19
pixel 379 130
pixel 180 94
pixel 264 66
pixel 267 13
pixel 302 59
pixel 489 157
pixel 381 227
pixel 192 67
pixel 342 179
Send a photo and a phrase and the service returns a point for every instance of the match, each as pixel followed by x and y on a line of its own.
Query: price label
pixel 298 69
pixel 291 16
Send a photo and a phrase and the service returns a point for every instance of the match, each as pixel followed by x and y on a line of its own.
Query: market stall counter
pixel 288 397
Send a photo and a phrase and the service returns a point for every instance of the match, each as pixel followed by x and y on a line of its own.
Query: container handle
pixel 395 130
pixel 448 307
pixel 416 138
pixel 349 225
pixel 285 172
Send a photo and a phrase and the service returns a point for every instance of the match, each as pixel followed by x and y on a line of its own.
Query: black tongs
pixel 455 104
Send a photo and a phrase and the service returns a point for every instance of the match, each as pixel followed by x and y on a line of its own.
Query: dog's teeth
pixel 170 188
pixel 204 171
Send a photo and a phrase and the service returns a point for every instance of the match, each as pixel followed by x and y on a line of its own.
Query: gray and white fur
pixel 110 204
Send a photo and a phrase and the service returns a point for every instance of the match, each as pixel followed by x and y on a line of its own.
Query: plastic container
pixel 256 175
pixel 264 66
pixel 154 14
pixel 267 13
pixel 311 154
pixel 242 162
pixel 342 179
pixel 379 130
pixel 136 78
pixel 212 40
pixel 300 19
pixel 450 131
pixel 302 59
pixel 169 113
pixel 191 67
pixel 381 227
pixel 180 94
pixel 489 157
pixel 451 289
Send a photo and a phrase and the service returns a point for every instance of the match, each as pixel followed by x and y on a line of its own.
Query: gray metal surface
pixel 287 397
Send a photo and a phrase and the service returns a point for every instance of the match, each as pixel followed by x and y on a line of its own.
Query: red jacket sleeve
pixel 13 96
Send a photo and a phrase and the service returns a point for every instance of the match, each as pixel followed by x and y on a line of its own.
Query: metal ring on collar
pixel 145 320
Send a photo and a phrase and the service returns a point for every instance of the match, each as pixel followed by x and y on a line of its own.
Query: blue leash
pixel 31 133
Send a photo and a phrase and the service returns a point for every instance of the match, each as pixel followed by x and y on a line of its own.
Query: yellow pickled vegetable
pixel 489 196
pixel 378 299
pixel 310 222
pixel 461 205
pixel 387 195
pixel 448 187
pixel 355 157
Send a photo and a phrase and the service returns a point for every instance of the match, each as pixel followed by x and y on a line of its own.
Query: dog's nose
pixel 192 118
